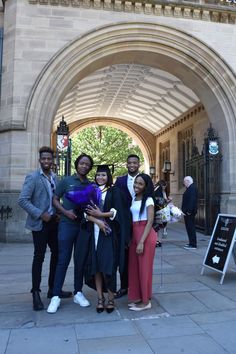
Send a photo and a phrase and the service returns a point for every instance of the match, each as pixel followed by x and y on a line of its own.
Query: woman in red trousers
pixel 143 243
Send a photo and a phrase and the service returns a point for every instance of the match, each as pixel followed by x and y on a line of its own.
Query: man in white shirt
pixel 125 184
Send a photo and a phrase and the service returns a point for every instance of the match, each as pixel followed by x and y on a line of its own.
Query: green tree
pixel 106 145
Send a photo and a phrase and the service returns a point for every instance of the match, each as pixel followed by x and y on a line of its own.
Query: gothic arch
pixel 145 139
pixel 197 65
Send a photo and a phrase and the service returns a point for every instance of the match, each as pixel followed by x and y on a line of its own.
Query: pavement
pixel 191 313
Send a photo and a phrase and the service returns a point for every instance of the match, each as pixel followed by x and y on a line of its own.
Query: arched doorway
pixel 163 47
pixel 145 139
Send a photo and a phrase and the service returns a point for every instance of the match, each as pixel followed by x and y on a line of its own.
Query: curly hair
pixel 80 157
pixel 46 149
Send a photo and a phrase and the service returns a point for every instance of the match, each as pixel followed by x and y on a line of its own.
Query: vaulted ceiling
pixel 144 95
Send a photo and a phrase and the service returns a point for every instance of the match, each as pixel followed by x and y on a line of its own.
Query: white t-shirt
pixel 135 207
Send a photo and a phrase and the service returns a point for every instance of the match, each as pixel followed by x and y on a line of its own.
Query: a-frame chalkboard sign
pixel 221 244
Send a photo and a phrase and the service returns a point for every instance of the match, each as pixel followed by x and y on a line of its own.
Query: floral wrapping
pixel 162 215
pixel 169 213
pixel 175 213
pixel 85 195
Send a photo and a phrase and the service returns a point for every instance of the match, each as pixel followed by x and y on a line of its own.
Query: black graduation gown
pixel 110 248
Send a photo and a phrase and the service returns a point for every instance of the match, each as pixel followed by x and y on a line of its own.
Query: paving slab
pixel 228 293
pixel 224 334
pixel 115 345
pixel 214 301
pixel 172 278
pixel 168 326
pixel 192 270
pixel 194 344
pixel 4 336
pixel 179 287
pixel 71 313
pixel 54 340
pixel 17 319
pixel 178 303
pixel 106 329
pixel 190 313
pixel 188 259
pixel 214 317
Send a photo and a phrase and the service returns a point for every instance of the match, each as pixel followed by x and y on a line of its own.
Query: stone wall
pixel 33 34
pixel 199 123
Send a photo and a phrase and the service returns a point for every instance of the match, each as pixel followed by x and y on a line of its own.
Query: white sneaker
pixel 80 299
pixel 54 304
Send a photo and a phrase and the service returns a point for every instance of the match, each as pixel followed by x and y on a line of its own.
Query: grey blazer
pixel 35 199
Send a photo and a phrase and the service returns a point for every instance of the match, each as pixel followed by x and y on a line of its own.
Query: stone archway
pixel 197 65
pixel 145 139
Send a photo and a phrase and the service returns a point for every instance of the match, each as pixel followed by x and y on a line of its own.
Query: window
pixel 185 138
pixel 164 156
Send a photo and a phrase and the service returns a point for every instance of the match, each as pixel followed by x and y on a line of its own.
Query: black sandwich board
pixel 221 244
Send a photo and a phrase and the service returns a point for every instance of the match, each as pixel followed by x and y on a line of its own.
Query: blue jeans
pixel 68 239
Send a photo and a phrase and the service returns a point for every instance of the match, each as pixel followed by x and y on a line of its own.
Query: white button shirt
pixel 130 184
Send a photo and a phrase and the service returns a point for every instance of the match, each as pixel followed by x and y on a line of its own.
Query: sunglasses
pixel 53 187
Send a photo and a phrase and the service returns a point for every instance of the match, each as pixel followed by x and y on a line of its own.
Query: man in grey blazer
pixel 36 200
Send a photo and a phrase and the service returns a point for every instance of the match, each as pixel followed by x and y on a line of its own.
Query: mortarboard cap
pixel 105 168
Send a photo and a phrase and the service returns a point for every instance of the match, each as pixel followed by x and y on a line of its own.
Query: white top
pixel 135 207
pixel 96 228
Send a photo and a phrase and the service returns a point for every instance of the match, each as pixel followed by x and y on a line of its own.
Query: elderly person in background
pixel 189 208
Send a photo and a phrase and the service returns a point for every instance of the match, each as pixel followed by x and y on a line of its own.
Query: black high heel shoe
pixel 101 305
pixel 111 305
pixel 158 244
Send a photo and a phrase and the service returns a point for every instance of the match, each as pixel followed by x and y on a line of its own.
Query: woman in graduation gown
pixel 107 248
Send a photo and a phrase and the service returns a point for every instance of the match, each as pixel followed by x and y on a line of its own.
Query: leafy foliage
pixel 106 145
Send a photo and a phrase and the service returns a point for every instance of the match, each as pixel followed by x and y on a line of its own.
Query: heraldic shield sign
pixel 62 142
pixel 213 147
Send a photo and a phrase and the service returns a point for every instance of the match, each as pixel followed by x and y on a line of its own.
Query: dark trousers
pixel 191 230
pixel 42 238
pixel 69 240
pixel 124 274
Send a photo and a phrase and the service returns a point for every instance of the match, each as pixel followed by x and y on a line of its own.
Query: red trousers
pixel 141 265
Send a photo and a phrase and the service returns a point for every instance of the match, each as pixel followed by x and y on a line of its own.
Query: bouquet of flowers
pixel 175 213
pixel 162 215
pixel 84 196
